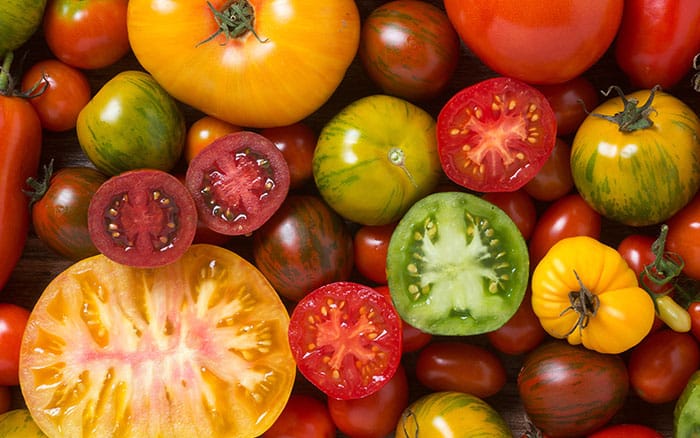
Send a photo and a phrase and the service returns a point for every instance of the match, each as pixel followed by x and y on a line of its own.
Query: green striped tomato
pixel 375 158
pixel 686 421
pixel 131 123
pixel 632 172
pixel 19 19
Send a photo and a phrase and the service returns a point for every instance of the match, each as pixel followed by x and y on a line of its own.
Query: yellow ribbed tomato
pixel 252 63
pixel 584 291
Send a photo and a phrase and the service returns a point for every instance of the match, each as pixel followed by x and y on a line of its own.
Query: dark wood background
pixel 39 265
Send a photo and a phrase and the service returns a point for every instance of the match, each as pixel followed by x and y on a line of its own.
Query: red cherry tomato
pixel 521 333
pixel 412 339
pixel 13 320
pixel 570 100
pixel 297 143
pixel 303 416
pixel 684 237
pixel 370 245
pixel 554 179
pixel 637 252
pixel 519 206
pixel 202 132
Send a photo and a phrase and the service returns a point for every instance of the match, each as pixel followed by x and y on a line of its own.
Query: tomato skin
pixel 460 366
pixel 370 247
pixel 521 333
pixel 625 430
pixel 684 237
pixel 570 100
pixel 303 416
pixel 311 47
pixel 303 246
pixel 60 216
pixel 569 390
pixel 87 34
pixel 19 20
pixel 694 311
pixel 661 365
pixel 297 143
pixel 644 175
pixel 409 49
pixel 412 339
pixel 554 179
pixel 530 41
pixel 60 98
pixel 519 206
pixel 13 320
pixel 375 415
pixel 203 132
pixel 657 41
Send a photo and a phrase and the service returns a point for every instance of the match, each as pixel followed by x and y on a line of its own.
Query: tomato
pixel 263 66
pixel 202 340
pixel 131 123
pixel 376 415
pixel 554 179
pixel 346 339
pixel 566 217
pixel 569 101
pixel 19 20
pixel 657 41
pixel 521 333
pixel 20 148
pixel 531 41
pixel 684 237
pixel 694 311
pixel 5 399
pixel 460 366
pixel 303 416
pixel 60 209
pixel 569 390
pixel 375 158
pixel 661 365
pixel 636 158
pixel 584 291
pixel 518 206
pixel 297 143
pixel 451 413
pixel 303 246
pixel 86 34
pixel 203 132
pixel 238 182
pixel 637 251
pixel 626 430
pixel 456 265
pixel 18 423
pixel 371 244
pixel 409 49
pixel 13 320
pixel 143 218
pixel 412 339
pixel 685 412
pixel 62 92
pixel 495 135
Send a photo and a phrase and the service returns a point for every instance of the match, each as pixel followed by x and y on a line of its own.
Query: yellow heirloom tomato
pixel 584 291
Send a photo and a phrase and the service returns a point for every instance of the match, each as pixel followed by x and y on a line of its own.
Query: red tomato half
pixel 495 135
pixel 346 339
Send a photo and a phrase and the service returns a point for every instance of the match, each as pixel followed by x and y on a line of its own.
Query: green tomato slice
pixel 457 265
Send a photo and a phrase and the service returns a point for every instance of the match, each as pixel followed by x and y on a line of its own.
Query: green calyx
pixel 632 117
pixel 235 19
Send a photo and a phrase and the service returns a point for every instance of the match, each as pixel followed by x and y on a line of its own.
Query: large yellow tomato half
pixel 197 348
pixel 252 63
pixel 584 291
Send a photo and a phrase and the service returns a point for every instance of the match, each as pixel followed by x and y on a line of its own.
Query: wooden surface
pixel 38 265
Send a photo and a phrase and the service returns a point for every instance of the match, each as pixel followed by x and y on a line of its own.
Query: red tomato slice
pixel 346 339
pixel 495 135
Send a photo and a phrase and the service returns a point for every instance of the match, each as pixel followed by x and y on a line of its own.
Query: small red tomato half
pixel 346 339
pixel 238 182
pixel 495 135
pixel 303 416
pixel 13 320
pixel 144 218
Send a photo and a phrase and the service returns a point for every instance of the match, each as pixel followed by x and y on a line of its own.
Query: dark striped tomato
pixel 569 390
pixel 303 246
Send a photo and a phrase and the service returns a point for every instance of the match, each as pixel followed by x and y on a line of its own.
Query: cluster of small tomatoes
pixel 407 218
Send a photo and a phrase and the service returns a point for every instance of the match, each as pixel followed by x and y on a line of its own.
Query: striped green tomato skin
pixel 451 413
pixel 686 413
pixel 19 20
pixel 131 123
pixel 375 158
pixel 642 177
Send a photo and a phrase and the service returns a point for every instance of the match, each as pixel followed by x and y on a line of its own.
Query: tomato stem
pixel 398 158
pixel 38 188
pixel 632 117
pixel 584 302
pixel 5 80
pixel 234 20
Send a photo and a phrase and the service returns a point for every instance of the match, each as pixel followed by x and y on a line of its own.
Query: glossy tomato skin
pixel 62 92
pixel 202 132
pixel 297 143
pixel 657 41
pixel 569 390
pixel 495 135
pixel 60 215
pixel 19 20
pixel 694 311
pixel 303 416
pixel 641 175
pixel 13 320
pixel 460 366
pixel 303 246
pixel 412 339
pixel 375 415
pixel 566 217
pixel 626 430
pixel 570 100
pixel 238 182
pixel 409 49
pixel 370 247
pixel 131 123
pixel 661 365
pixel 521 333
pixel 519 206
pixel 554 179
pixel 311 47
pixel 375 158
pixel 684 237
pixel 531 41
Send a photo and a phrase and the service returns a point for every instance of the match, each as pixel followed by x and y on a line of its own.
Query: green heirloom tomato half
pixel 457 265
pixel 375 158
pixel 19 19
pixel 131 123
